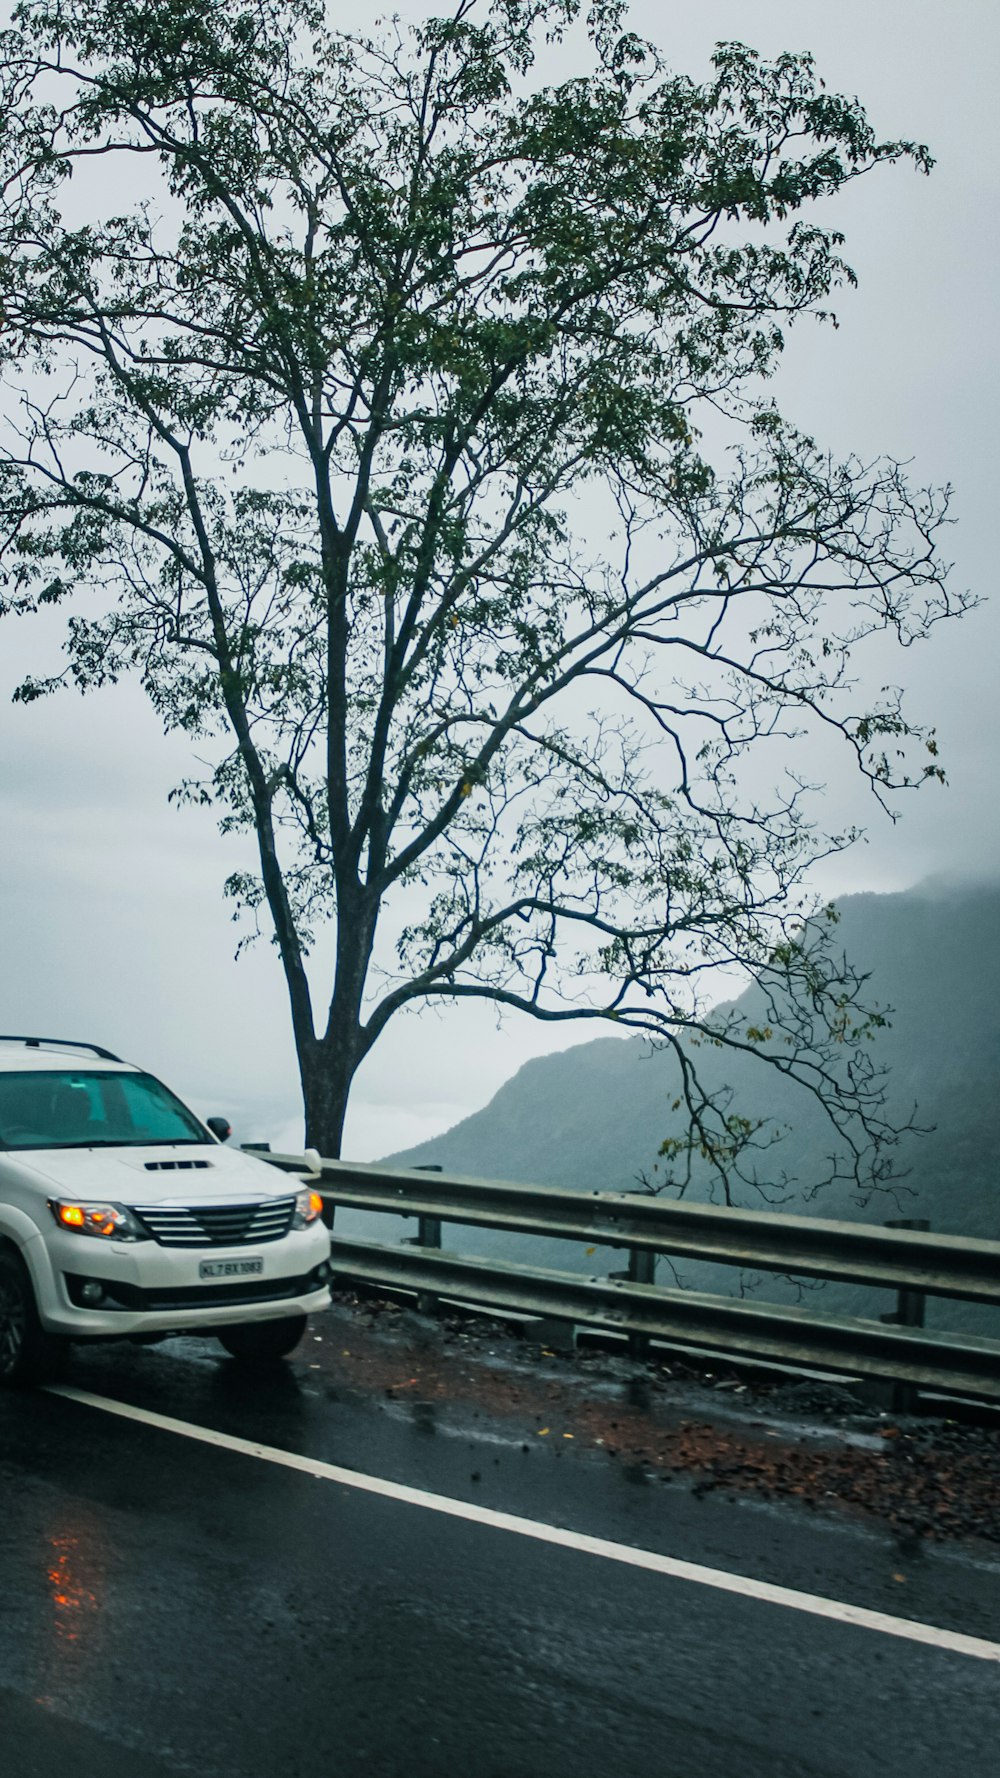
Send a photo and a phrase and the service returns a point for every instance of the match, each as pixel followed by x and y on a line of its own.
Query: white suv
pixel 121 1214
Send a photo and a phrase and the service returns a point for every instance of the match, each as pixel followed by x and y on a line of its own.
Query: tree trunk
pixel 326 1073
pixel 328 1064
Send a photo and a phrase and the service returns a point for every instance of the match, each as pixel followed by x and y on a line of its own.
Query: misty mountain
pixel 594 1116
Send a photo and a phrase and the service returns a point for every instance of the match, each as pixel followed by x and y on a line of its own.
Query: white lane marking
pixel 813 1603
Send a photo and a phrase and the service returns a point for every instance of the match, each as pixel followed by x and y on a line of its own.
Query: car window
pixel 82 1109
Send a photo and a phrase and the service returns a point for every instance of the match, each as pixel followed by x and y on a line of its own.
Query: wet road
pixel 174 1607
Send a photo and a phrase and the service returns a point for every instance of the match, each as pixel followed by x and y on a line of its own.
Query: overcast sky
pixel 113 924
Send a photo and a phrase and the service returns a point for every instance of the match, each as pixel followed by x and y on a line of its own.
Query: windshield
pixel 80 1109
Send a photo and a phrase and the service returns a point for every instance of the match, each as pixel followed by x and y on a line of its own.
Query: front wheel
pixel 27 1353
pixel 253 1341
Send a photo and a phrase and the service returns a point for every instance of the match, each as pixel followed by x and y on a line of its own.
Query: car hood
pixel 160 1174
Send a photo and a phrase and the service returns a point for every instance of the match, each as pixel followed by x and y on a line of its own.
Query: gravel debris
pixel 711 1428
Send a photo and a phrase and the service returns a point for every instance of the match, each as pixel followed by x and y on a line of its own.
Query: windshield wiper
pixel 110 1142
pixel 94 1142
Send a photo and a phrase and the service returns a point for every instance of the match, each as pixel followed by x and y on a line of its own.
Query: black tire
pixel 255 1342
pixel 27 1353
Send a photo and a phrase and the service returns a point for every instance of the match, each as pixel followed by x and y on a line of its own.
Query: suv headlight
pixel 109 1220
pixel 308 1205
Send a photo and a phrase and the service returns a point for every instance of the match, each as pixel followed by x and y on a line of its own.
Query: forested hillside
pixel 595 1115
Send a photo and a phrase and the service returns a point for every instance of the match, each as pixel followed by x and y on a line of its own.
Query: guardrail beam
pixel 815 1247
pixel 899 1256
pixel 731 1325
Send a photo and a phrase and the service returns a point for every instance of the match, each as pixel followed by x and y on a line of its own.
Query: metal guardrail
pixel 909 1260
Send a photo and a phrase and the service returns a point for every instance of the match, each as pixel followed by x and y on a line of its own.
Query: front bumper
pixel 152 1289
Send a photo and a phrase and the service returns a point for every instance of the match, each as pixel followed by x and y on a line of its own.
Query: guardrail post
pixel 910 1311
pixel 641 1270
pixel 428 1235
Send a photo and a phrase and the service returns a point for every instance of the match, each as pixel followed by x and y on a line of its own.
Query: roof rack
pixel 63 1043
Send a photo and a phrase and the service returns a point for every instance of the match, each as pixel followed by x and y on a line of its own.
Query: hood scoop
pixel 176 1166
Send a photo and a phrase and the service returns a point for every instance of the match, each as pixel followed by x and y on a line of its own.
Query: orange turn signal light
pixel 71 1215
pixel 315 1204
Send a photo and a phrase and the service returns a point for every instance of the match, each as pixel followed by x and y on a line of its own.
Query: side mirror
pixel 221 1127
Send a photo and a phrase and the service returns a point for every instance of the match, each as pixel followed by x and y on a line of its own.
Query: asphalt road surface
pixel 326 1586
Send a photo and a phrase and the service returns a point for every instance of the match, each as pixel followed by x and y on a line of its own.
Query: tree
pixel 405 422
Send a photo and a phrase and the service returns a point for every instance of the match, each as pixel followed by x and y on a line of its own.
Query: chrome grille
pixel 216 1225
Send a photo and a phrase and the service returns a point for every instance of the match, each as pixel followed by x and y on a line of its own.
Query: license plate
pixel 230 1268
